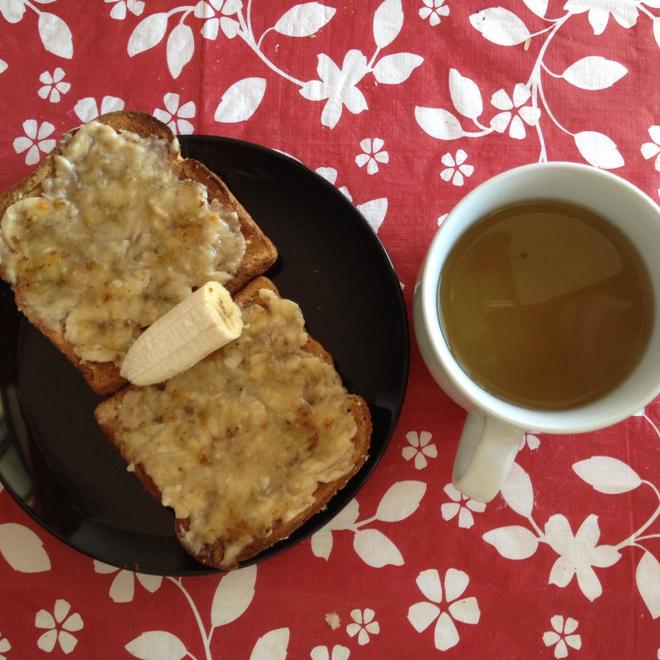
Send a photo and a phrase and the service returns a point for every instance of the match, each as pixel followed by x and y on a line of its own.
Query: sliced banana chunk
pixel 202 323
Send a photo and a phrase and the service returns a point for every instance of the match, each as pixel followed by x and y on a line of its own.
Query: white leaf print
pixel 375 549
pixel 322 543
pixel 23 549
pixel 304 20
pixel 465 95
pixel 513 542
pixel 388 21
pixel 438 123
pixel 400 501
pixel 594 73
pixel 607 475
pixel 233 596
pixel 517 491
pixel 500 26
pixel 271 646
pixel 598 150
pixel 3 66
pixel 656 30
pixel 157 645
pixel 395 69
pixel 539 7
pixel 180 48
pixel 374 212
pixel 11 10
pixel 147 33
pixel 55 35
pixel 241 100
pixel 346 518
pixel 647 577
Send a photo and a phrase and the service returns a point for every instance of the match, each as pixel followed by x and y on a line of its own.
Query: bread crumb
pixel 333 620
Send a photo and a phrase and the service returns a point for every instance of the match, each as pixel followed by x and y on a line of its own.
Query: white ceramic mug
pixel 494 428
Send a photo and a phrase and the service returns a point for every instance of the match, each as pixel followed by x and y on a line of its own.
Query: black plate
pixel 63 471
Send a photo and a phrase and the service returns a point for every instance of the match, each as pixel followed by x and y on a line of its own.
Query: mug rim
pixel 548 421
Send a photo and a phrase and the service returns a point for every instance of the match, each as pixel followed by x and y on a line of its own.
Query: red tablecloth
pixel 405 108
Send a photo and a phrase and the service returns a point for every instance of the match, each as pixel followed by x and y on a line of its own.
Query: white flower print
pixel 59 627
pixel 461 505
pixel 330 175
pixel 118 11
pixel 53 86
pixel 363 625
pixel 5 646
pixel 122 588
pixel 176 116
pixel 466 610
pixel 577 554
pixel 531 441
pixel 338 86
pixel 624 12
pixel 561 636
pixel 514 112
pixel 652 149
pixel 206 9
pixel 456 168
pixel 35 140
pixel 87 109
pixel 419 448
pixel 433 10
pixel 338 652
pixel 372 155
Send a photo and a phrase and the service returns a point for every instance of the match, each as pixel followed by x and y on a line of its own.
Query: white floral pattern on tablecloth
pixel 405 106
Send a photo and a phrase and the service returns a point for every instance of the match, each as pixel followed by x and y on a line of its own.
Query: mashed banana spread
pixel 240 442
pixel 115 240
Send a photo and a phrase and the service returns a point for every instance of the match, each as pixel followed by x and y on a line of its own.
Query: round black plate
pixel 64 472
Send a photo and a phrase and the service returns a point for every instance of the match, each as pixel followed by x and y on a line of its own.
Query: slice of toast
pixel 222 552
pixel 259 255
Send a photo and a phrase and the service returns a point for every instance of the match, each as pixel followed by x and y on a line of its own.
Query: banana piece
pixel 202 323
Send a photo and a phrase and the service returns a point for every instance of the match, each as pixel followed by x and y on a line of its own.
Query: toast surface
pixel 225 551
pixel 259 255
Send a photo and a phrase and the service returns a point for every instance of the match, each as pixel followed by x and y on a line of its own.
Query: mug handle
pixel 486 451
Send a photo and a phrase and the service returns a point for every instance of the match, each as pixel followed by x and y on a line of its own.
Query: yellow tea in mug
pixel 546 304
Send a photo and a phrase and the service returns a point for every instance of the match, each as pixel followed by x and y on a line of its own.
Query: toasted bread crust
pixel 107 415
pixel 260 253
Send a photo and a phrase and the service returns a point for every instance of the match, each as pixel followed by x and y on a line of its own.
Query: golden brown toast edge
pixel 107 415
pixel 260 253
